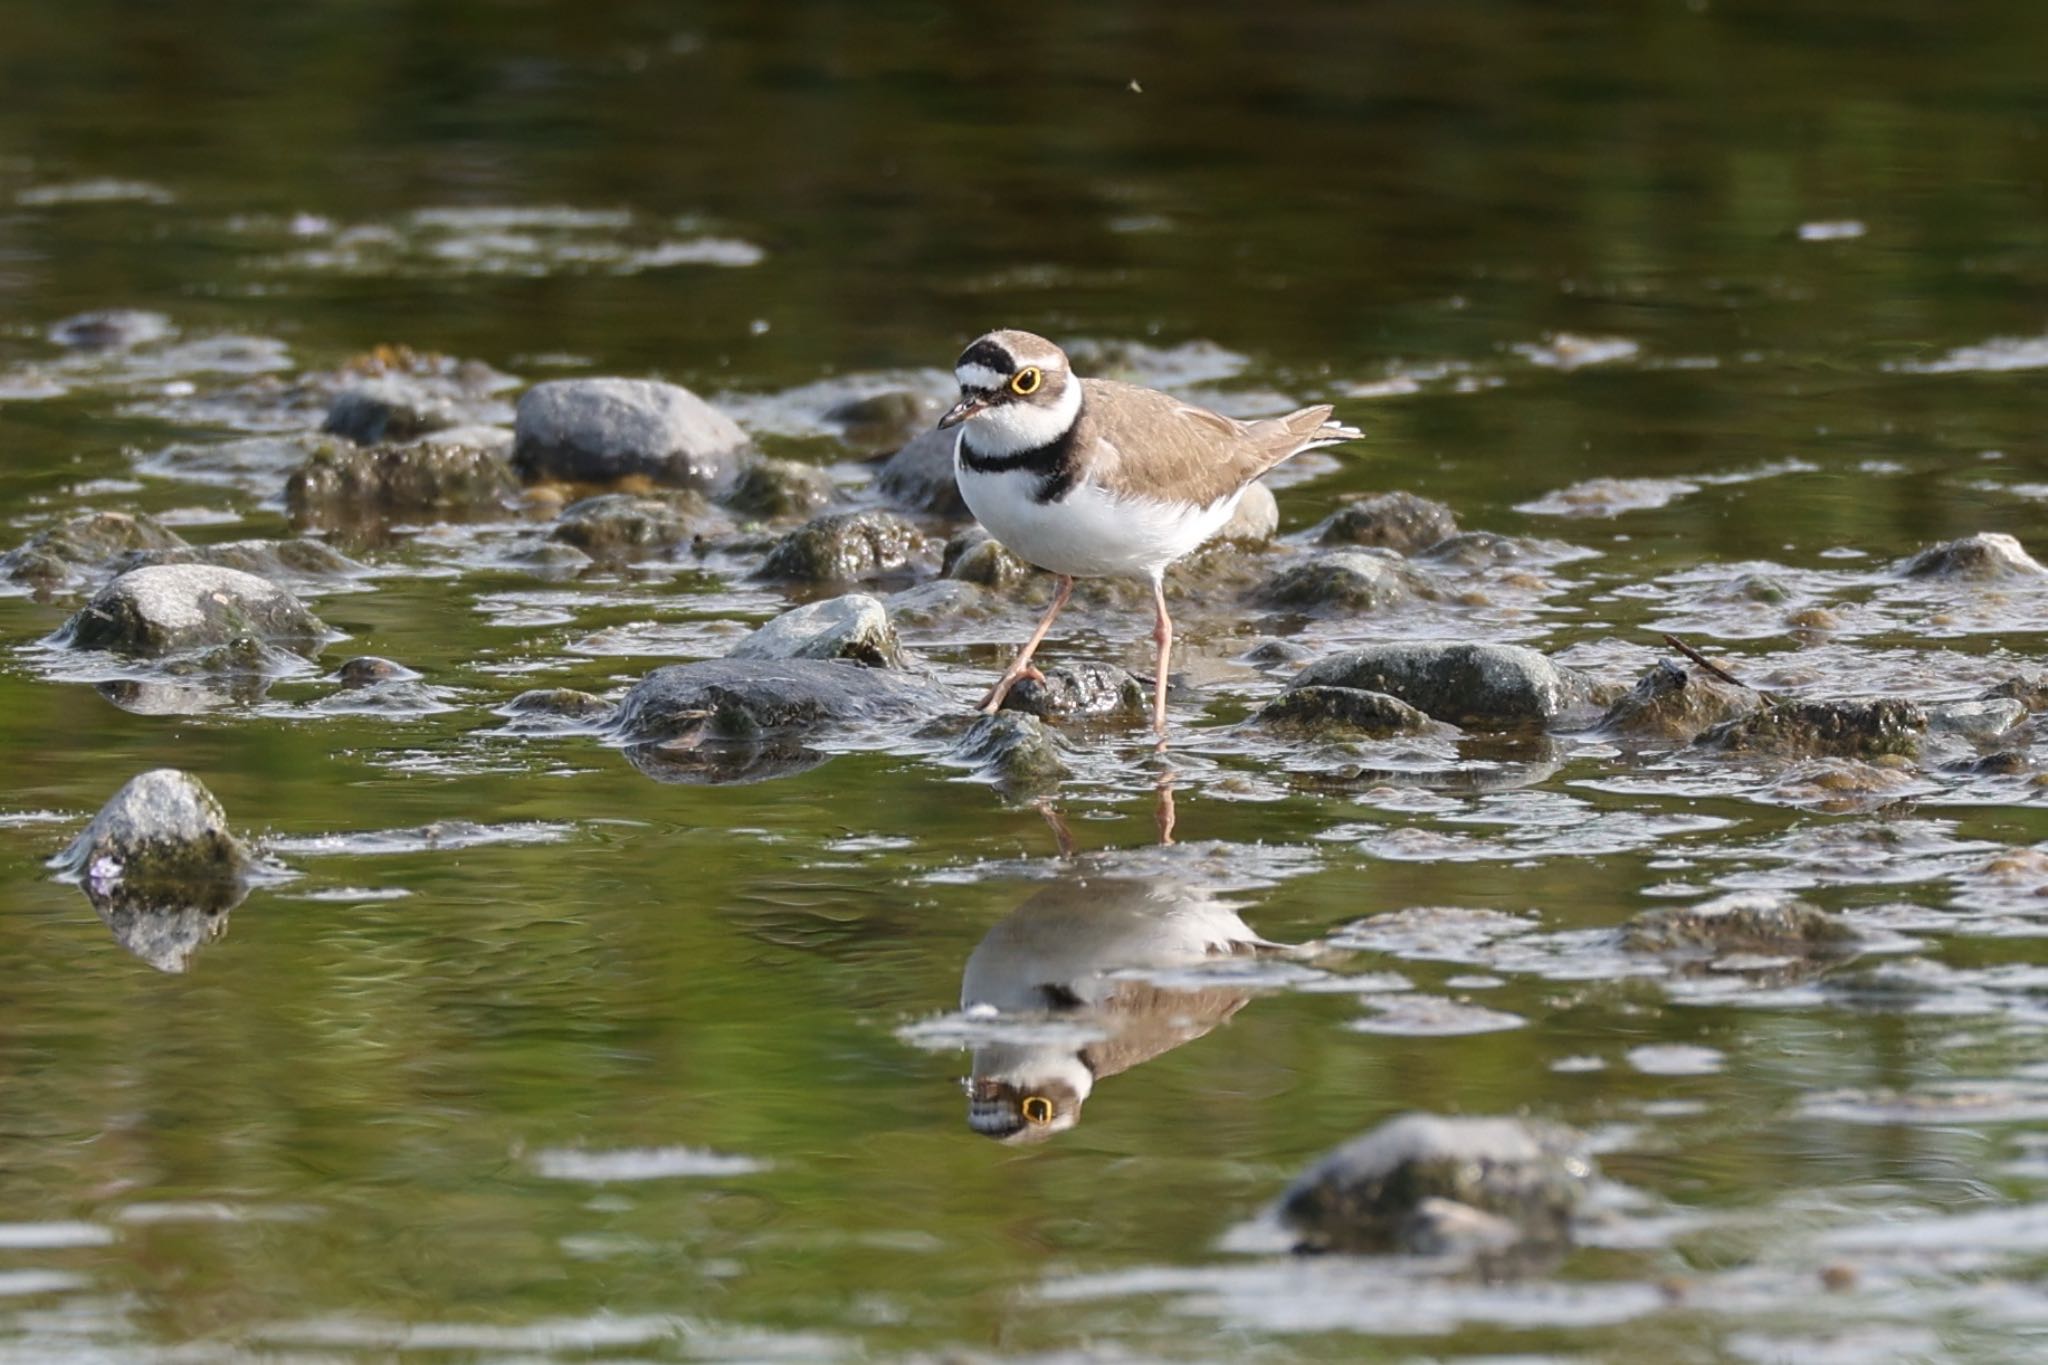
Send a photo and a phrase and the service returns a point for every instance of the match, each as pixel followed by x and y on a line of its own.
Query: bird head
pixel 1020 1109
pixel 1017 389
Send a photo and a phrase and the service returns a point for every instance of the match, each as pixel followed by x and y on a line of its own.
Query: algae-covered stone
pixel 1014 749
pixel 1678 704
pixel 604 430
pixel 1083 689
pixel 621 526
pixel 1340 713
pixel 1396 521
pixel 53 557
pixel 1460 683
pixel 846 547
pixel 975 556
pixel 168 608
pixel 1748 922
pixel 774 489
pixel 745 698
pixel 341 484
pixel 1349 580
pixel 854 627
pixel 1365 1196
pixel 1824 729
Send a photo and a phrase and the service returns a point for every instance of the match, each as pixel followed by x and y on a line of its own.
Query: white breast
pixel 1088 533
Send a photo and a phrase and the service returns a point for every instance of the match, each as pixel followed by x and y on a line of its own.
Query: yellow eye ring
pixel 1027 381
pixel 1037 1108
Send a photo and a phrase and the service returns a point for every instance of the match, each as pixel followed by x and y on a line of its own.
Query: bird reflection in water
pixel 1105 949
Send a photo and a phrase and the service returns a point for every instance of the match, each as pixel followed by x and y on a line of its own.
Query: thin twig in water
pixel 1704 662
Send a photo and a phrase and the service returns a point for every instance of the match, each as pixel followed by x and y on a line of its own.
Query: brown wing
pixel 1146 1020
pixel 1138 441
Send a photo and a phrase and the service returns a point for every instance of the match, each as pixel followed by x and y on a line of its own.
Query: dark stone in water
pixel 390 407
pixel 1339 713
pixel 1014 749
pixel 1397 521
pixel 1373 1193
pixel 745 699
pixel 920 475
pixel 1460 683
pixel 1986 555
pixel 1747 922
pixel 365 670
pixel 777 489
pixel 1677 704
pixel 975 556
pixel 111 329
pixel 1824 729
pixel 618 527
pixel 1350 580
pixel 846 547
pixel 1086 689
pixel 169 608
pixel 560 703
pixel 51 558
pixel 604 430
pixel 341 485
pixel 160 867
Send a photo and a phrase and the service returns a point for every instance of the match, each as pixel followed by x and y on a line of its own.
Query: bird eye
pixel 1037 1108
pixel 1026 381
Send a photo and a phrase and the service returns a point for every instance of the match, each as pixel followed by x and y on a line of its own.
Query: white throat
pixel 1011 428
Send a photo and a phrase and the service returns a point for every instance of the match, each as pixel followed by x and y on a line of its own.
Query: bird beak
pixel 961 411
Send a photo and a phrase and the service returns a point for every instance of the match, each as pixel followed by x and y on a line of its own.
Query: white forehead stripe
pixel 979 377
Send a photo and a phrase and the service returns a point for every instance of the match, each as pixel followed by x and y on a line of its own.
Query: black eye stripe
pixel 988 355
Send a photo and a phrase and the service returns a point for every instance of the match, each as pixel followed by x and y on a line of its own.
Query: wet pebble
pixel 367 669
pixel 169 608
pixel 603 430
pixel 1365 1196
pixel 854 627
pixel 975 556
pixel 1457 682
pixel 846 547
pixel 1398 521
pixel 1256 519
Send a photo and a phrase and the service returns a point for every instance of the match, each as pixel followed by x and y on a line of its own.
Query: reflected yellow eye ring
pixel 1037 1108
pixel 1027 381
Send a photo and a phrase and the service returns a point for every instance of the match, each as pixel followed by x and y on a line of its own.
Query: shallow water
pixel 519 1055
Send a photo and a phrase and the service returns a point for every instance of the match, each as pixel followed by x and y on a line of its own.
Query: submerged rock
pixel 1460 683
pixel 1085 689
pixel 1014 749
pixel 390 407
pixel 975 556
pixel 774 489
pixel 1746 922
pixel 854 627
pixel 1370 1194
pixel 920 475
pixel 339 485
pixel 1483 549
pixel 621 526
pixel 367 670
pixel 1677 704
pixel 555 709
pixel 1397 521
pixel 1986 718
pixel 739 699
pixel 1340 713
pixel 284 562
pixel 604 430
pixel 846 547
pixel 2029 689
pixel 169 608
pixel 52 558
pixel 1986 555
pixel 1824 729
pixel 1352 580
pixel 110 329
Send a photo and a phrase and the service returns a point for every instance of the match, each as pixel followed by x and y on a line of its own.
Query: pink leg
pixel 1162 634
pixel 1021 665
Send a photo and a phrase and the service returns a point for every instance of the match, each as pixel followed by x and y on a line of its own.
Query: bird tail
pixel 1332 433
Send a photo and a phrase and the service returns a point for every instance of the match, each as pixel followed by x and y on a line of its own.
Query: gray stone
pixel 2029 688
pixel 975 556
pixel 1986 718
pixel 1478 550
pixel 744 699
pixel 604 430
pixel 555 709
pixel 920 475
pixel 1745 922
pixel 846 547
pixel 1086 689
pixel 167 608
pixel 1013 749
pixel 1348 580
pixel 883 420
pixel 1366 1196
pixel 854 627
pixel 1676 704
pixel 1824 729
pixel 390 407
pixel 775 489
pixel 110 329
pixel 53 558
pixel 1268 654
pixel 1396 521
pixel 298 563
pixel 1461 683
pixel 621 526
pixel 367 670
pixel 1256 519
pixel 1986 555
pixel 1340 713
pixel 339 485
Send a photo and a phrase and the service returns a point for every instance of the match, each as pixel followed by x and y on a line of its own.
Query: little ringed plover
pixel 1091 478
